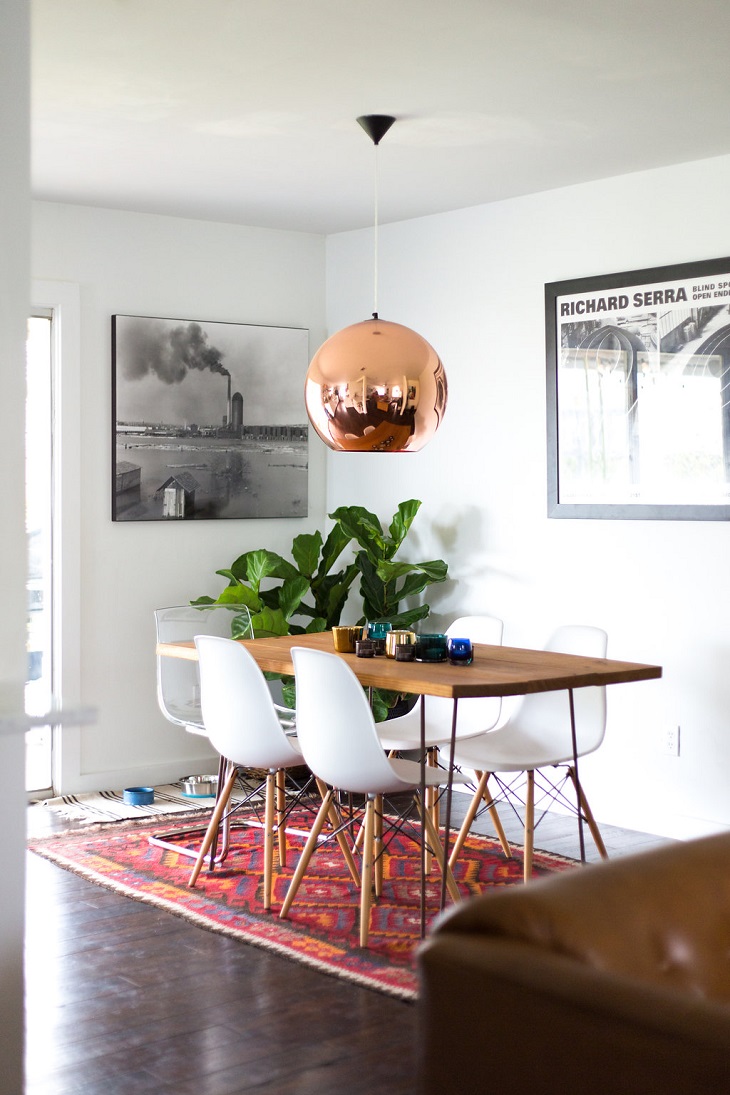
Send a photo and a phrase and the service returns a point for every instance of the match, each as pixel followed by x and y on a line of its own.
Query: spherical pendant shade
pixel 376 387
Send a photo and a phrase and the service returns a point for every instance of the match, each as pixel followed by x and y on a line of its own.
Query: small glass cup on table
pixel 460 651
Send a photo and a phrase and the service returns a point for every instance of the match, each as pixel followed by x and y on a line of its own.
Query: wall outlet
pixel 670 741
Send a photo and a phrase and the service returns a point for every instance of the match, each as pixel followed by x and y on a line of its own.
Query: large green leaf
pixel 372 588
pixel 316 625
pixel 268 623
pixel 239 568
pixel 239 595
pixel 413 585
pixel 362 525
pixel 402 521
pixel 305 551
pixel 435 570
pixel 417 576
pixel 263 564
pixel 291 593
pixel 410 616
pixel 227 573
pixel 331 593
pixel 333 547
pixel 381 703
pixel 270 597
pixel 241 627
pixel 289 692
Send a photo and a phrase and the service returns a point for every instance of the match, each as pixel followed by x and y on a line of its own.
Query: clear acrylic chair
pixel 178 686
pixel 537 737
pixel 338 737
pixel 178 681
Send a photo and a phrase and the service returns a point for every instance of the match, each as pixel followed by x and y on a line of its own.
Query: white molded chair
pixel 476 715
pixel 538 736
pixel 337 735
pixel 241 721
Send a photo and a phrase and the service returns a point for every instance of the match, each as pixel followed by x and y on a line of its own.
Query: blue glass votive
pixel 461 651
pixel 378 629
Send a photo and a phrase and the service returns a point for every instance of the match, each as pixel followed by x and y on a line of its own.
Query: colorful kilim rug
pixel 322 928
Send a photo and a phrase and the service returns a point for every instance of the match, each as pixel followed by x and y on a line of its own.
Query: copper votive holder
pixel 344 638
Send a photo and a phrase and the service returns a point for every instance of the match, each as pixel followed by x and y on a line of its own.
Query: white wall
pixel 472 283
pixel 158 266
pixel 14 228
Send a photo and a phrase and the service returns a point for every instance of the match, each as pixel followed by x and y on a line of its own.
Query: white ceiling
pixel 244 110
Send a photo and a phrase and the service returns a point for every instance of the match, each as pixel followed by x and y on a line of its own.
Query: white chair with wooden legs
pixel 476 715
pixel 242 723
pixel 337 735
pixel 537 737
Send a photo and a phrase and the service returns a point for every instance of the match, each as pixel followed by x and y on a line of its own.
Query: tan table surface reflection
pixel 495 671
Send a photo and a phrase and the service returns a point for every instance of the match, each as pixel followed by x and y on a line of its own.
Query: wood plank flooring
pixel 125 999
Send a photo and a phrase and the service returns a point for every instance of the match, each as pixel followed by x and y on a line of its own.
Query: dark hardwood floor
pixel 125 999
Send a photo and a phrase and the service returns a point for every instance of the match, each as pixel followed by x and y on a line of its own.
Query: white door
pixel 39 472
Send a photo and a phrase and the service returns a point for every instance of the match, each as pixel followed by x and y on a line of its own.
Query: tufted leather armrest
pixel 612 979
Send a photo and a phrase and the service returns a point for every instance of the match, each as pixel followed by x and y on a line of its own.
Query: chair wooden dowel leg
pixel 306 855
pixel 438 851
pixel 496 820
pixel 336 822
pixel 431 804
pixel 213 826
pixel 378 845
pixel 214 855
pixel 588 815
pixel 468 819
pixel 269 838
pixel 367 873
pixel 529 824
pixel 280 809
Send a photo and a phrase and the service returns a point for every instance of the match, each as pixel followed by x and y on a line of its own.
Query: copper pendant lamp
pixel 376 386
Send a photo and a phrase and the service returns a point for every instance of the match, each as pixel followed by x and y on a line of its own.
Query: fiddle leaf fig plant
pixel 309 595
pixel 274 590
pixel 385 583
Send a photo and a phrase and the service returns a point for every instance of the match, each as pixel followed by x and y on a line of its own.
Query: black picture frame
pixel 208 420
pixel 638 407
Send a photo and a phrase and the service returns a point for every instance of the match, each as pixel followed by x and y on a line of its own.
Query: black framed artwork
pixel 638 414
pixel 208 420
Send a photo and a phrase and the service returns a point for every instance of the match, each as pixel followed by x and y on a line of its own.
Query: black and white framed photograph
pixel 208 420
pixel 638 417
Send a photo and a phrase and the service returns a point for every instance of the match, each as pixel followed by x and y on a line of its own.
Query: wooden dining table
pixel 495 671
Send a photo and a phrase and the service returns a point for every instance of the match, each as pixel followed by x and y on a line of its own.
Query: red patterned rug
pixel 322 929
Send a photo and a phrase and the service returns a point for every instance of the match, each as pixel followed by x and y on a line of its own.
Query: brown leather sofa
pixel 612 979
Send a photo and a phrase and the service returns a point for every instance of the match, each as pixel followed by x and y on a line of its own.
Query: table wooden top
pixel 495 671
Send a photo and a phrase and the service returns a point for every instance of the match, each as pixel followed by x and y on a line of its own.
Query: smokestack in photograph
pixel 228 400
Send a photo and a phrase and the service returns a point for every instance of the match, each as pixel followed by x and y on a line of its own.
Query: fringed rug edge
pixel 44 849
